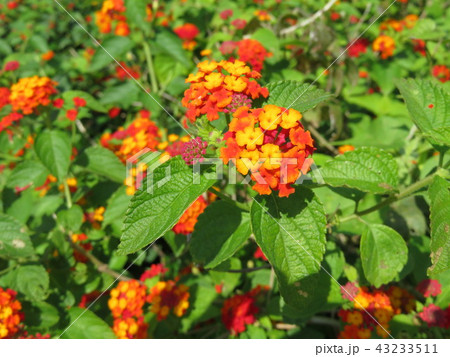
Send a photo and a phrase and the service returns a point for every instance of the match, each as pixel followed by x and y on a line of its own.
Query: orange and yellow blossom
pixel 166 296
pixel 31 92
pixel 385 45
pixel 212 88
pixel 10 315
pixel 271 144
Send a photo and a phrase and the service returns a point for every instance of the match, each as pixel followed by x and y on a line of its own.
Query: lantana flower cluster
pixel 10 314
pixel 250 51
pixel 126 304
pixel 240 310
pixel 31 92
pixel 212 87
pixel 167 296
pixel 112 11
pixel 271 144
pixel 373 310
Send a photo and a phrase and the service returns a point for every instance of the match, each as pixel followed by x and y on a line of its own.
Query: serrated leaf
pixel 291 233
pixel 54 149
pixel 159 205
pixel 429 106
pixel 296 95
pixel 14 242
pixel 27 173
pixel 383 254
pixel 102 161
pixel 71 219
pixel 85 324
pixel 91 102
pixel 440 225
pixel 220 231
pixel 366 169
pixel 116 47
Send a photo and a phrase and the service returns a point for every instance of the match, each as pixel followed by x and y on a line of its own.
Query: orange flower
pixel 29 93
pixel 385 45
pixel 127 299
pixel 10 315
pixel 189 218
pixel 270 144
pixel 212 88
pixel 112 10
pixel 345 148
pixel 252 52
pixel 262 15
pixel 130 327
pixel 47 56
pixel 166 296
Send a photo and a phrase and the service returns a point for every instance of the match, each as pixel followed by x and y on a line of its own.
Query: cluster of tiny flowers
pixel 240 310
pixel 189 218
pixel 194 150
pixel 140 134
pixel 31 92
pixel 385 45
pixel 166 296
pixel 80 239
pixel 126 303
pixel 212 88
pixel 154 270
pixel 432 314
pixel 10 315
pixel 409 21
pixel 381 304
pixel 248 50
pixel 112 10
pixel 271 144
pixel 187 32
pixel 441 72
pixel 238 100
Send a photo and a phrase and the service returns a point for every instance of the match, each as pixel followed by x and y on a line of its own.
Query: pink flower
pixel 239 23
pixel 349 291
pixel 12 66
pixel 194 150
pixel 429 287
pixel 225 14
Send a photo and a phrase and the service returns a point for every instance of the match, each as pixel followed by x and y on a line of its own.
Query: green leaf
pixel 125 94
pixel 291 233
pixel 91 102
pixel 219 233
pixel 440 225
pixel 14 242
pixel 159 205
pixel 117 206
pixel 425 29
pixel 102 161
pixel 27 173
pixel 41 314
pixel 71 219
pixel 54 149
pixel 172 45
pixel 85 324
pixel 434 122
pixel 116 47
pixel 296 95
pixel 32 281
pixel 366 169
pixel 136 13
pixel 383 254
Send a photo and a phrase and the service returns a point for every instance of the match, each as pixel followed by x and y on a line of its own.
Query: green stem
pixel 224 197
pixel 403 194
pixel 9 157
pixel 67 194
pixel 151 70
pixel 441 158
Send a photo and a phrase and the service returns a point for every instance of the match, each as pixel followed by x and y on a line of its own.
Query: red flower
pixel 7 120
pixel 113 112
pixel 58 103
pixel 239 311
pixel 155 269
pixel 441 72
pixel 429 287
pixel 71 114
pixel 433 315
pixel 225 14
pixel 79 102
pixel 335 16
pixel 12 65
pixel 12 5
pixel 419 46
pixel 259 254
pixel 358 47
pixel 239 23
pixel 187 31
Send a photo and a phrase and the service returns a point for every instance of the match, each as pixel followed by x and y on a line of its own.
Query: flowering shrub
pixel 248 169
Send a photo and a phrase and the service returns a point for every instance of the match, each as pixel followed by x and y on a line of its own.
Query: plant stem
pixel 224 197
pixel 151 70
pixel 403 194
pixel 67 194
